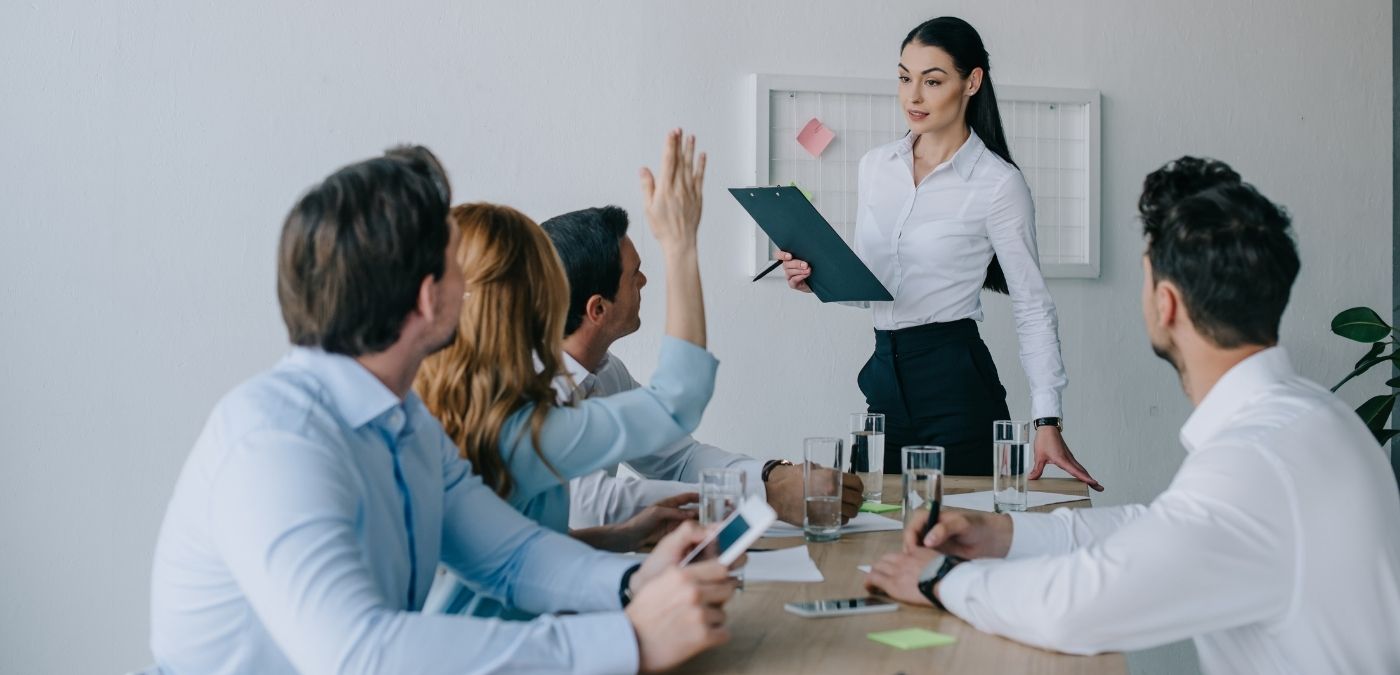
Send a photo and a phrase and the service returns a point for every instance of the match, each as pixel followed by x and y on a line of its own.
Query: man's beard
pixel 1166 354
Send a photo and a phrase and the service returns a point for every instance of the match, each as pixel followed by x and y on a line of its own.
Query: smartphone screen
pixel 727 536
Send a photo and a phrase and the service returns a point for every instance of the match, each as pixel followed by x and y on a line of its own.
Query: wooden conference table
pixel 767 639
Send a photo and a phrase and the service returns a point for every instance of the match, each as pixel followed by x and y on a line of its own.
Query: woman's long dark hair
pixel 961 41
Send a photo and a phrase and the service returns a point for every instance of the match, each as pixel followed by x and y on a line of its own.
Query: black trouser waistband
pixel 927 336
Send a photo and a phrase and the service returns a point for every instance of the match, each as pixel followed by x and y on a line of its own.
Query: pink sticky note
pixel 815 137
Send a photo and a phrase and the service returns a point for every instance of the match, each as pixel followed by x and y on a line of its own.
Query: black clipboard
pixel 790 220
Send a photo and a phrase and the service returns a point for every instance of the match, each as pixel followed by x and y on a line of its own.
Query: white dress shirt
pixel 602 497
pixel 305 526
pixel 1276 547
pixel 930 245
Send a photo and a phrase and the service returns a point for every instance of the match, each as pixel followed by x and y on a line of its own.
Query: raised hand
pixel 674 196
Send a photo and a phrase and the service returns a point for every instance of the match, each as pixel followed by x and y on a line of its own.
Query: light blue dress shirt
pixel 308 520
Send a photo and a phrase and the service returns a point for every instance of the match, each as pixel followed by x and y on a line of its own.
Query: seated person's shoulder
pixel 280 401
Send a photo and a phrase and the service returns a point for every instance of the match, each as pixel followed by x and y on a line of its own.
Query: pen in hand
pixel 932 520
pixel 772 267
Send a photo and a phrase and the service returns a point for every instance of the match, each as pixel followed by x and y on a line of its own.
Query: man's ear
pixel 1168 300
pixel 974 81
pixel 596 309
pixel 428 301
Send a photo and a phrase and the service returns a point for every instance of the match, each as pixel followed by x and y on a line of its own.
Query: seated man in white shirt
pixel 605 286
pixel 1276 546
pixel 308 519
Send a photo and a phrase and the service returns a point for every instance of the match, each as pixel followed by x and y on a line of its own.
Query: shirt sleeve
pixel 599 499
pixel 1011 228
pixel 599 432
pixel 1197 560
pixel 683 460
pixel 296 557
pixel 1065 530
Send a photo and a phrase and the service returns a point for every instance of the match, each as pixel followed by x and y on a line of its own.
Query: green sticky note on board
pixel 805 193
pixel 879 507
pixel 912 638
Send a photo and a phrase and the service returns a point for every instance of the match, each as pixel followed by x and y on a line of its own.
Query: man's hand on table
pixel 784 489
pixel 961 533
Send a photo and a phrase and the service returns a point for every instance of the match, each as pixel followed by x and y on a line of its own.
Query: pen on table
pixel 772 267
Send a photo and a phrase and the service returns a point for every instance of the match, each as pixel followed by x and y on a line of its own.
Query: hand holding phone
pixel 733 537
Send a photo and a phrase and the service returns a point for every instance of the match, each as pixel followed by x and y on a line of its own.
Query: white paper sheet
pixel 786 564
pixel 982 501
pixel 863 522
pixel 863 568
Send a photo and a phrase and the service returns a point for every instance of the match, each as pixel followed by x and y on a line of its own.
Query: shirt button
pixel 396 420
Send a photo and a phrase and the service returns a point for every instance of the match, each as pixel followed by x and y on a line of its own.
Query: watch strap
pixel 624 590
pixel 926 586
pixel 772 464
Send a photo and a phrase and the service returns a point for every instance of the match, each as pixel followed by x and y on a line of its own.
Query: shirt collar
pixel 584 382
pixel 1236 388
pixel 963 160
pixel 356 394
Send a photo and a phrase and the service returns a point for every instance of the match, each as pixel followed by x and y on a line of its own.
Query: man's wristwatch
pixel 772 464
pixel 1049 422
pixel 624 592
pixel 926 585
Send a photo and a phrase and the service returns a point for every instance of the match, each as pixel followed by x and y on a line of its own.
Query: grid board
pixel 1053 134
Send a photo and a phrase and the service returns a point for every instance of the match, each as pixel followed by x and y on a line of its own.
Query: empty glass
pixel 821 488
pixel 923 477
pixel 868 453
pixel 1011 460
pixel 721 493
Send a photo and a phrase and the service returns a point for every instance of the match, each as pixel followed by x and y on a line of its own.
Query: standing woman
pixel 943 213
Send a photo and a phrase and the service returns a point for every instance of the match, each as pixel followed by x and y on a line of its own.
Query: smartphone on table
pixel 819 609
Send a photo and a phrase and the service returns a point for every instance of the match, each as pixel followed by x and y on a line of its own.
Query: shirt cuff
pixel 1034 534
pixel 952 590
pixel 601 643
pixel 1046 405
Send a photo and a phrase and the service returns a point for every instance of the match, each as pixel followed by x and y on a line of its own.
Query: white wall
pixel 150 151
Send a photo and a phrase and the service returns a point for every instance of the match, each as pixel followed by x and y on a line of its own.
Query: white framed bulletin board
pixel 1053 134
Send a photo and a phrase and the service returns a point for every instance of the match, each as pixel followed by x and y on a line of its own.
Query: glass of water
pixel 868 453
pixel 721 493
pixel 923 477
pixel 821 488
pixel 1011 461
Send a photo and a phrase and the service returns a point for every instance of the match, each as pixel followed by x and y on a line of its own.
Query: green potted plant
pixel 1364 325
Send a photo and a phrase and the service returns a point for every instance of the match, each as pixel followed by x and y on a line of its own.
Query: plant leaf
pixel 1393 382
pixel 1366 364
pixel 1375 349
pixel 1361 324
pixel 1384 435
pixel 1376 410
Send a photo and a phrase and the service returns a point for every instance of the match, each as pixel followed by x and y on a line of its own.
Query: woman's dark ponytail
pixel 961 41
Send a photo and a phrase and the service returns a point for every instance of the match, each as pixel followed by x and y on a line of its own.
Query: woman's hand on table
pixel 1050 448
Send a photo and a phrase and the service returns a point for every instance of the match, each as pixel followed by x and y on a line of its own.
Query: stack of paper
pixel 982 501
pixel 863 522
pixel 786 564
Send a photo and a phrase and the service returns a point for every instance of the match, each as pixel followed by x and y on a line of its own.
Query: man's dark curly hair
pixel 1227 247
